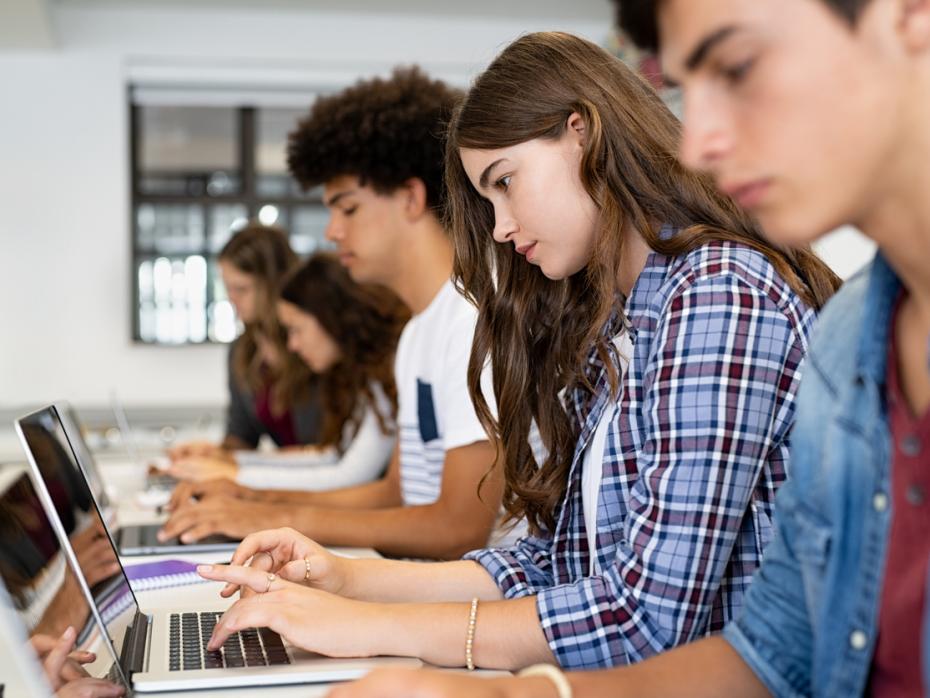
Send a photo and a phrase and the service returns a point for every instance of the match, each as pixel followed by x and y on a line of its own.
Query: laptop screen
pixel 72 426
pixel 96 555
pixel 35 572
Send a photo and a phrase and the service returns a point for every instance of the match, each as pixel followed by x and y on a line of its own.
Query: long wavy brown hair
pixel 365 321
pixel 538 333
pixel 264 253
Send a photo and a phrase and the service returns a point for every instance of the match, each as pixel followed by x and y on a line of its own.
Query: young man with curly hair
pixel 377 149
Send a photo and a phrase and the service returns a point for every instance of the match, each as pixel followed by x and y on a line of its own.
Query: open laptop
pixel 166 650
pixel 155 479
pixel 138 539
pixel 39 592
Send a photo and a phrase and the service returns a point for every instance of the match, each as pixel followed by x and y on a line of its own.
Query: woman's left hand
pixel 311 619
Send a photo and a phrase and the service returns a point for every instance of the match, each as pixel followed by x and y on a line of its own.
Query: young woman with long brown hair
pixel 347 334
pixel 645 341
pixel 271 391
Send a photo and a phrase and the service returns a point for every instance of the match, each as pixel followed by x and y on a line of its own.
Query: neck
pixel 635 254
pixel 899 221
pixel 424 267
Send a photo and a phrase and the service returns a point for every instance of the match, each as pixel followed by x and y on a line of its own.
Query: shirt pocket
pixel 812 547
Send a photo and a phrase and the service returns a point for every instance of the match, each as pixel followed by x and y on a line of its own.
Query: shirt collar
pixel 875 319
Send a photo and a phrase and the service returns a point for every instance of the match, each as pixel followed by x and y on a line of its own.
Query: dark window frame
pixel 246 119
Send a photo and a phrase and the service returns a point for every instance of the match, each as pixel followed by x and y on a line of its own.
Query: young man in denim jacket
pixel 812 114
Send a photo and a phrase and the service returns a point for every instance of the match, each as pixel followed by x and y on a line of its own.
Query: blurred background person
pixel 271 391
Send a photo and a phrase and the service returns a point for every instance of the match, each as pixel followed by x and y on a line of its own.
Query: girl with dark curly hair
pixel 346 333
pixel 645 341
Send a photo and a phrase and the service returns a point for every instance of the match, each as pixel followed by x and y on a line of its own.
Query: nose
pixel 291 342
pixel 504 225
pixel 334 232
pixel 707 134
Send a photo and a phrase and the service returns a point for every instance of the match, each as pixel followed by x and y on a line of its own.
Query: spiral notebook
pixel 144 576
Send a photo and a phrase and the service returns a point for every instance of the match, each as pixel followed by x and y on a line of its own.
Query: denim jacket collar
pixel 883 289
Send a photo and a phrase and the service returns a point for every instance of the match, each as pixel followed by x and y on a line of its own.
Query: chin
pixel 793 229
pixel 552 275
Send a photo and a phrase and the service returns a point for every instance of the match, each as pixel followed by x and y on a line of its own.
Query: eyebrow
pixel 335 198
pixel 483 181
pixel 706 45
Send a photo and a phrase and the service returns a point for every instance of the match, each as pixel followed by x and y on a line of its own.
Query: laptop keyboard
pixel 188 634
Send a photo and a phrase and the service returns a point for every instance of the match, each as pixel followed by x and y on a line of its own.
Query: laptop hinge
pixel 132 655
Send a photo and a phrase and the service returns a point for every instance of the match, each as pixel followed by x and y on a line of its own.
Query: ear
pixel 414 192
pixel 576 126
pixel 914 24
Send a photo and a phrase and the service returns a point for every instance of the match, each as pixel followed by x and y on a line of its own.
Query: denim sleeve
pixel 523 570
pixel 773 632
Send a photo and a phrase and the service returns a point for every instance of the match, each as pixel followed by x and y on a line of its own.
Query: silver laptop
pixel 137 539
pixel 154 479
pixel 166 650
pixel 39 591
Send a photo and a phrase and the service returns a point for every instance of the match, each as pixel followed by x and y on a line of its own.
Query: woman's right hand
pixel 194 449
pixel 292 556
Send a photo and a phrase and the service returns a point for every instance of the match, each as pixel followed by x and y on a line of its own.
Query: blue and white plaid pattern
pixel 693 459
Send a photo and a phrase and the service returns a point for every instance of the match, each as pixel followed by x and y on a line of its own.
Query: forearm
pixel 508 634
pixel 704 669
pixel 395 581
pixel 430 531
pixel 371 495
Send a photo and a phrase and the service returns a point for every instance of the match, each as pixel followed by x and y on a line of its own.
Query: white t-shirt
pixel 592 468
pixel 365 453
pixel 435 412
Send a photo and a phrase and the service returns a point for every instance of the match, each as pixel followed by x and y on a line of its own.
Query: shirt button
pixel 858 640
pixel 880 501
pixel 915 495
pixel 911 446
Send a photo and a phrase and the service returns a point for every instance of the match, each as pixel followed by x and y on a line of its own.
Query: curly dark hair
pixel 384 131
pixel 365 320
pixel 637 18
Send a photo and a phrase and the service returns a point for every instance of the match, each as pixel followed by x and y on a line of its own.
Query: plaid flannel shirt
pixel 692 461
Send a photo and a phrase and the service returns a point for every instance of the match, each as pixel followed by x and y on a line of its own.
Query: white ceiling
pixel 596 10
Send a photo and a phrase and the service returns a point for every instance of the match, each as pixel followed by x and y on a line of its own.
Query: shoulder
pixel 839 329
pixel 711 274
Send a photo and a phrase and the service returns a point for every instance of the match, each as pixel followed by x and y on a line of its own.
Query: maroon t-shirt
pixel 282 425
pixel 896 665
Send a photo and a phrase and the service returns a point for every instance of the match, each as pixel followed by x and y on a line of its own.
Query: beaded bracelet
pixel 470 635
pixel 554 674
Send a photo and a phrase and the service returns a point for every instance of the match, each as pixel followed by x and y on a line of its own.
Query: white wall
pixel 64 192
pixel 64 220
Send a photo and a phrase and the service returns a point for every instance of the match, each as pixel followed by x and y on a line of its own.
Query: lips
pixel 527 251
pixel 748 194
